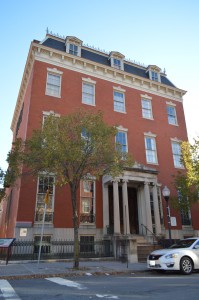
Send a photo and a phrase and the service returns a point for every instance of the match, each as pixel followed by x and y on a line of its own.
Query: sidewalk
pixel 19 270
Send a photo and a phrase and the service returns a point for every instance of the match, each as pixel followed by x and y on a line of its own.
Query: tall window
pixel 88 93
pixel 185 212
pixel 87 203
pixel 185 217
pixel 53 85
pixel 171 112
pixel 119 101
pixel 45 183
pixel 176 150
pixel 73 49
pixel 151 153
pixel 147 109
pixel 121 139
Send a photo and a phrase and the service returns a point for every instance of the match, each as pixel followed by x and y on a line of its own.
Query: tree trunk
pixel 76 226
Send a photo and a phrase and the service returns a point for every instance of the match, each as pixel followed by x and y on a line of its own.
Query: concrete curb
pixel 72 274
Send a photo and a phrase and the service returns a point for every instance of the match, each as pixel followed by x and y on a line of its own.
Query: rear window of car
pixel 183 243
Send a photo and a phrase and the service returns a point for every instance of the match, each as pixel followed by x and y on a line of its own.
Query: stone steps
pixel 143 250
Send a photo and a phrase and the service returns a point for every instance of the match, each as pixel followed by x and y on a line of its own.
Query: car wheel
pixel 186 265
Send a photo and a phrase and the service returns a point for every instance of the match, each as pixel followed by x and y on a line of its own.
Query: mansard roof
pixel 103 58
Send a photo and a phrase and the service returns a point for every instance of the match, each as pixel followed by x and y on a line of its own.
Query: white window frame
pixel 152 151
pixel 176 154
pixel 117 63
pixel 154 73
pixel 72 40
pixel 118 105
pixel 147 112
pixel 91 83
pixel 123 145
pixel 116 60
pixel 172 118
pixel 154 76
pixel 49 91
pixel 90 200
pixel 48 113
pixel 40 199
pixel 73 49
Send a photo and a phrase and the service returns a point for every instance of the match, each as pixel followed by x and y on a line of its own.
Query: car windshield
pixel 183 244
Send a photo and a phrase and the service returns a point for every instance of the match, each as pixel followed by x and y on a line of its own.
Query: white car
pixel 182 256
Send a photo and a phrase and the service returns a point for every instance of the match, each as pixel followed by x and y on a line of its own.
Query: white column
pixel 148 208
pixel 156 210
pixel 142 212
pixel 125 207
pixel 105 208
pixel 116 208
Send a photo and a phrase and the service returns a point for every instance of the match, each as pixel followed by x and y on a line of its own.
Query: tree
pixel 2 188
pixel 186 194
pixel 187 183
pixel 190 157
pixel 71 147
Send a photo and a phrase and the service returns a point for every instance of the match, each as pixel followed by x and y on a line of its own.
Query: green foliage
pixel 187 183
pixel 59 148
pixel 2 188
pixel 186 194
pixel 71 147
pixel 190 157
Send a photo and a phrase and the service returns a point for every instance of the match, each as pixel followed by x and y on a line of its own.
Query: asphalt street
pixel 148 286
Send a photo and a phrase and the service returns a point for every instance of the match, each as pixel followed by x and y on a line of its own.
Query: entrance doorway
pixel 133 210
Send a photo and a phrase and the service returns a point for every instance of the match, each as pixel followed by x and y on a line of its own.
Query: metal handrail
pixel 153 234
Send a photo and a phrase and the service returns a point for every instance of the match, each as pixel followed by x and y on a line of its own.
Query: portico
pixel 131 203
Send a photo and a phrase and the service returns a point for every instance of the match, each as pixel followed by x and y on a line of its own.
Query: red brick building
pixel 61 75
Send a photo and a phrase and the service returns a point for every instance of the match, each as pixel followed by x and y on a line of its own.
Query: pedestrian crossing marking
pixel 66 282
pixel 7 290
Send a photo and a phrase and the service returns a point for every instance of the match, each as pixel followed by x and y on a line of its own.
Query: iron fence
pixel 58 249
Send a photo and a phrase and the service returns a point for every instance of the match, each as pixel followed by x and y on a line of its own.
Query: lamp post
pixel 166 195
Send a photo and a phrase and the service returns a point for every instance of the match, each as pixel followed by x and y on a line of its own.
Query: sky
pixel 163 33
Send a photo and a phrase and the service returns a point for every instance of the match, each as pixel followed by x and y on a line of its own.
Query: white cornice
pixel 95 69
pixel 67 61
pixel 22 90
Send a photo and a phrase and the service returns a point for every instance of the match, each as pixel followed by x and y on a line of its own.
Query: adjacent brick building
pixel 61 75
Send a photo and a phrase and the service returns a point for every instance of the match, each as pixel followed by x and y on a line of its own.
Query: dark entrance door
pixel 133 210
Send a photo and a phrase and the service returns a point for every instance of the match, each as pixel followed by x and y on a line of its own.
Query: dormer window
pixel 73 49
pixel 154 73
pixel 116 60
pixel 154 76
pixel 117 63
pixel 73 45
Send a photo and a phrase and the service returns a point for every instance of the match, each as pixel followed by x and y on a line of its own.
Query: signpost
pixel 6 244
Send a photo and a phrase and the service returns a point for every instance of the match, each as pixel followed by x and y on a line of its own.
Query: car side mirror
pixel 196 247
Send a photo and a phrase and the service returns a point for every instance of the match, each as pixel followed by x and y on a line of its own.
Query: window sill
pixel 187 227
pixel 88 104
pixel 173 124
pixel 87 225
pixel 151 163
pixel 150 119
pixel 53 96
pixel 180 168
pixel 122 112
pixel 46 224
